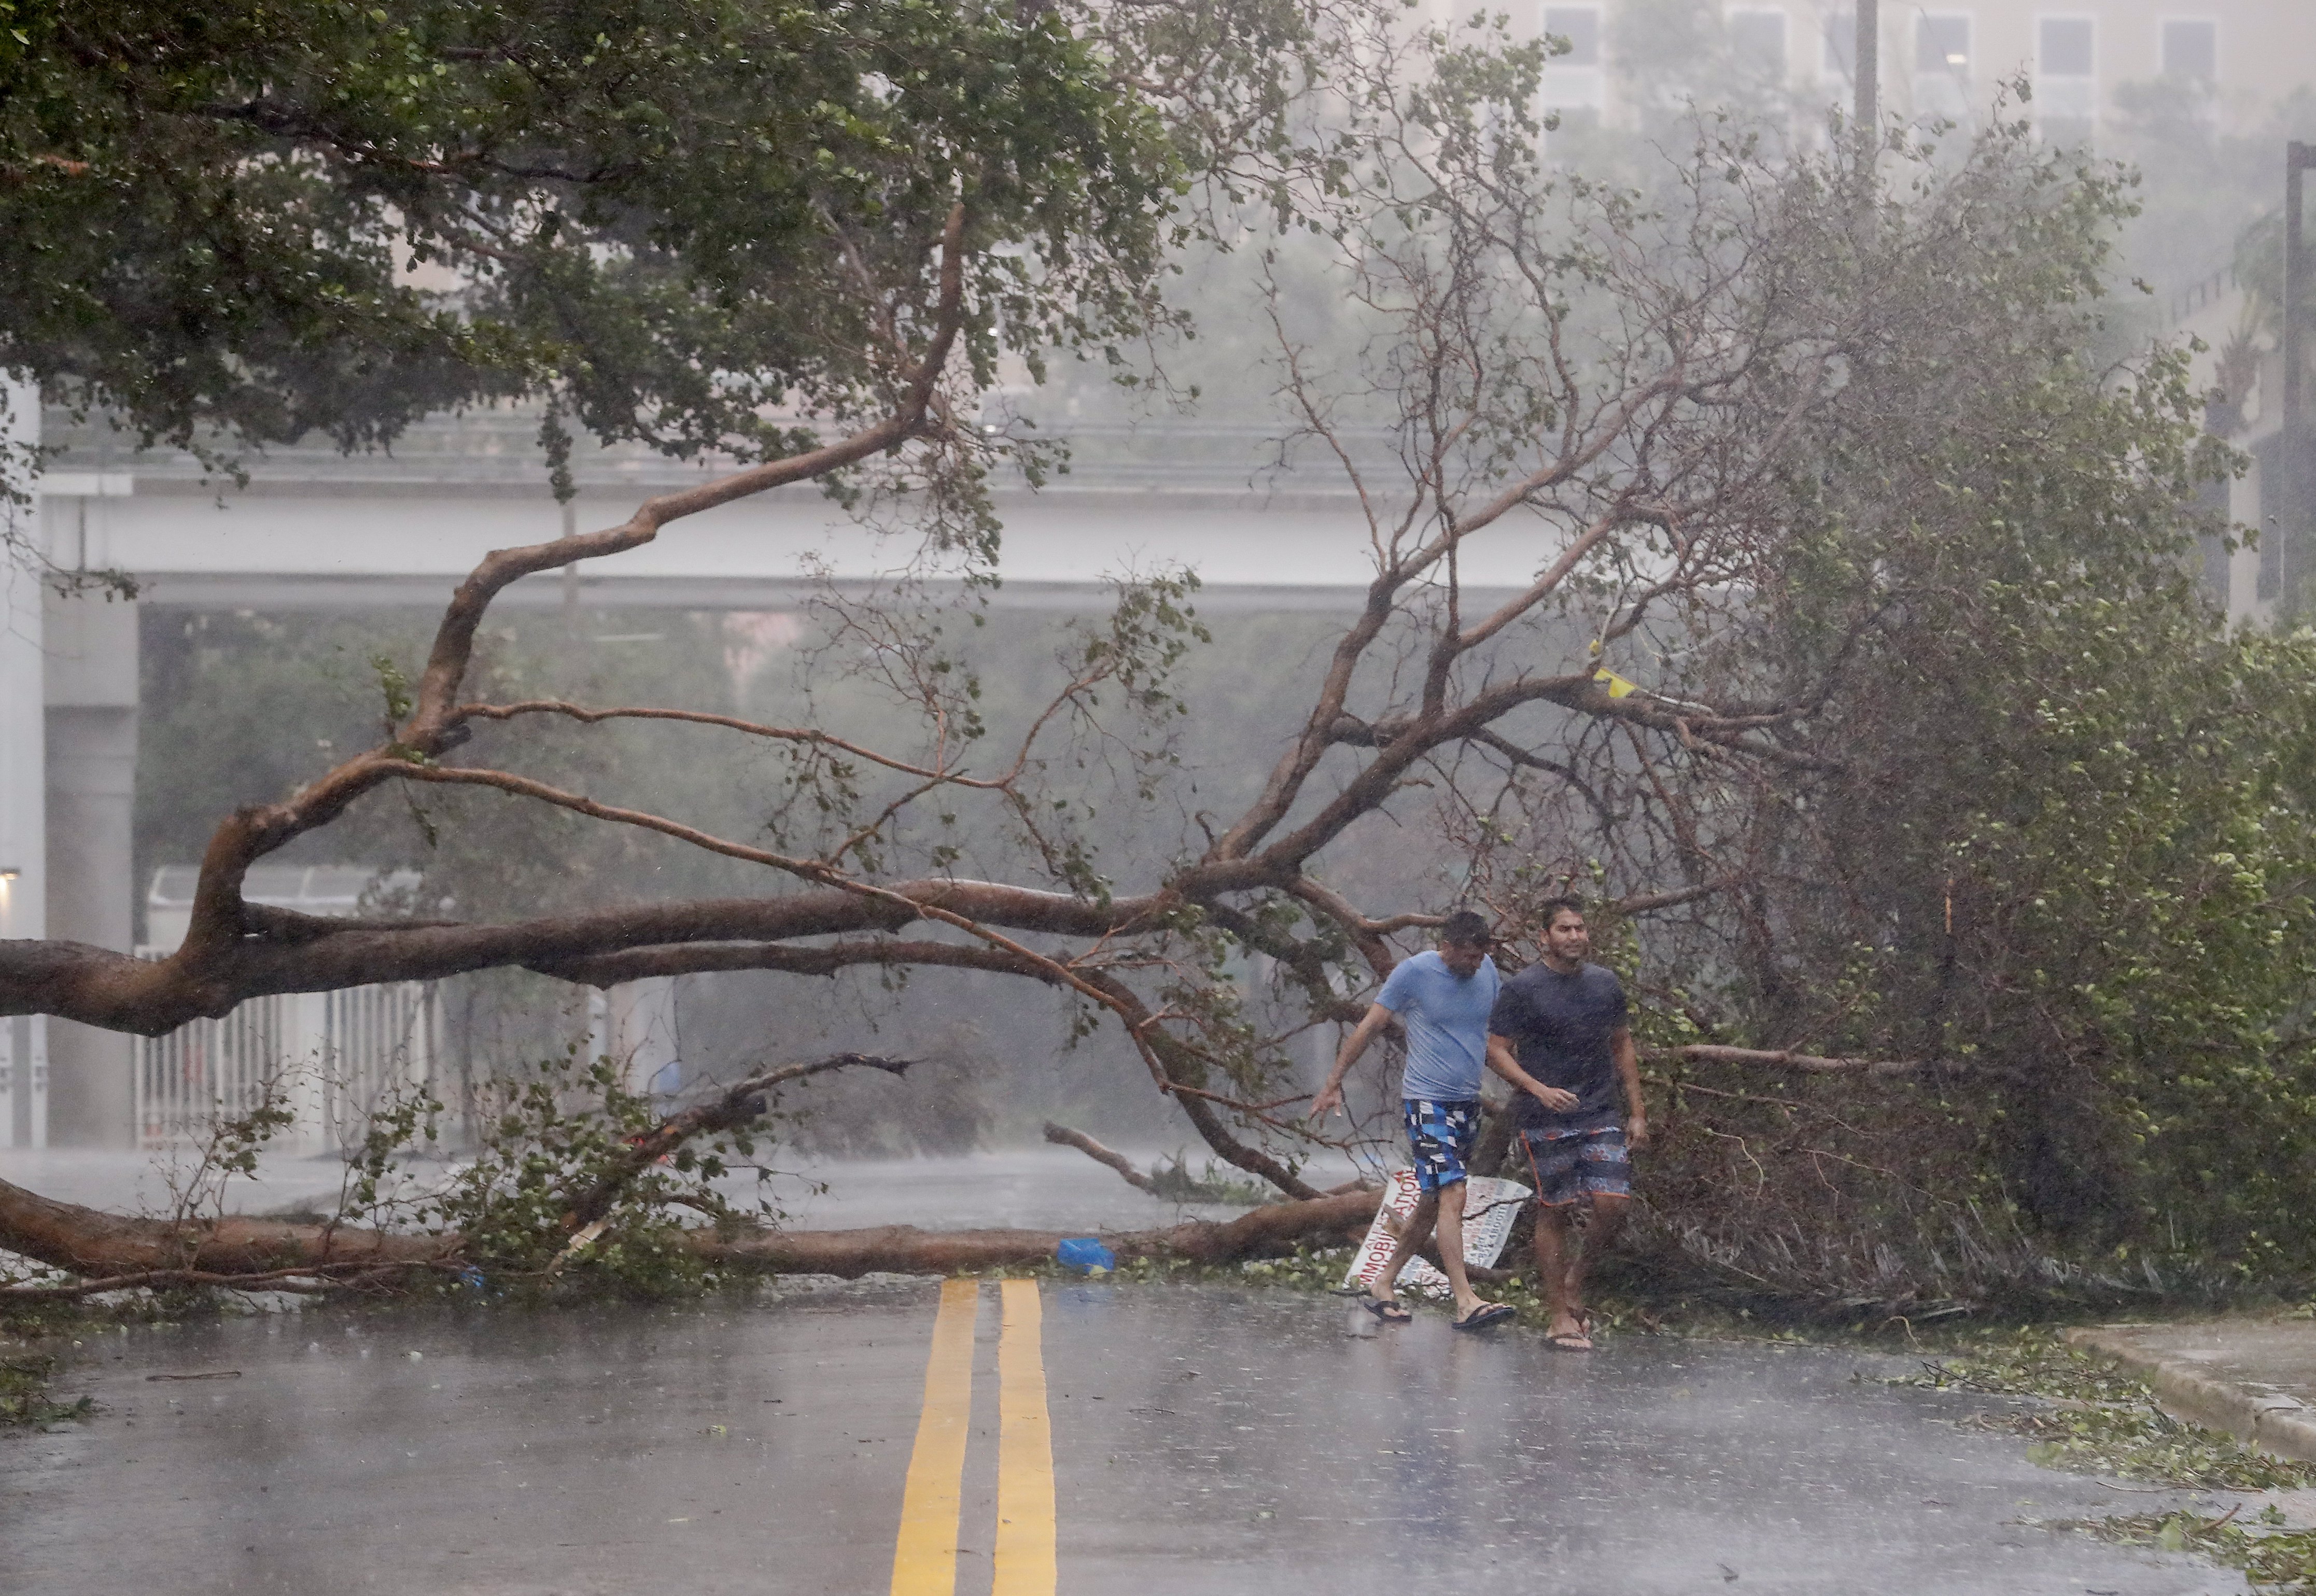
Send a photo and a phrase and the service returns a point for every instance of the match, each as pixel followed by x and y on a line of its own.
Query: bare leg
pixel 1607 1218
pixel 1558 1269
pixel 1451 1249
pixel 1412 1231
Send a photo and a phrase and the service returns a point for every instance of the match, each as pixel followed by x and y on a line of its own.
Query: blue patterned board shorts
pixel 1582 1163
pixel 1440 1136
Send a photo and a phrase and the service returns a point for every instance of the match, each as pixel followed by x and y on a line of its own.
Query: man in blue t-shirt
pixel 1444 999
pixel 1564 1022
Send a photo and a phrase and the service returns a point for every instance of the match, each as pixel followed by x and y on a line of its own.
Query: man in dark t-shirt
pixel 1564 1021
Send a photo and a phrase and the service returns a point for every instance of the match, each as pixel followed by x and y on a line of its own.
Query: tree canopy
pixel 710 225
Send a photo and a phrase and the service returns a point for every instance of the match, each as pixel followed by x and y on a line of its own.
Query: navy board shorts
pixel 1578 1163
pixel 1439 1138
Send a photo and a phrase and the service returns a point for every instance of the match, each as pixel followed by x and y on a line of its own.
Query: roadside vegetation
pixel 25 1378
pixel 2092 1416
pixel 2088 1416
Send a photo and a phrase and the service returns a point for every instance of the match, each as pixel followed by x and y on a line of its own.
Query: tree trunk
pixel 92 1243
pixel 1262 1232
pixel 108 1249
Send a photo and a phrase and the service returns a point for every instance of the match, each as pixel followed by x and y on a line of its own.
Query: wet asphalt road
pixel 1204 1439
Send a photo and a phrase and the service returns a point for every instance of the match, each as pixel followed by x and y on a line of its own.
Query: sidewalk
pixel 2255 1376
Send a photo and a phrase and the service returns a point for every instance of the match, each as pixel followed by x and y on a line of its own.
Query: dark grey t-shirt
pixel 1559 1026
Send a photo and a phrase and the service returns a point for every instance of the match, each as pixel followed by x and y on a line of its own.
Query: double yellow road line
pixel 924 1558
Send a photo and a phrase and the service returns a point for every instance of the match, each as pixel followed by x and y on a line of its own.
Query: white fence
pixel 333 1057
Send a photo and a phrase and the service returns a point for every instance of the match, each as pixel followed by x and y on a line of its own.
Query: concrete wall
pixel 316 544
pixel 67 781
pixel 90 656
pixel 23 785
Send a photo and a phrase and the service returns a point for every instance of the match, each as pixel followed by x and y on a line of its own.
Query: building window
pixel 1838 57
pixel 2063 48
pixel 1942 66
pixel 2191 51
pixel 1756 41
pixel 1574 81
pixel 2066 79
pixel 1942 44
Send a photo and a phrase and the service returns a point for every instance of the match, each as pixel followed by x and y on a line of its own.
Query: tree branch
pixel 1809 1063
pixel 805 734
pixel 1065 1137
pixel 737 1105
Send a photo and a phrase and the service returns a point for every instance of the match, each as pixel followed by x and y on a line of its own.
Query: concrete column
pixel 634 1024
pixel 23 786
pixel 646 1015
pixel 92 786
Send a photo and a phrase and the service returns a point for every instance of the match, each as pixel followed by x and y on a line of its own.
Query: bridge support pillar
pixel 91 701
pixel 23 765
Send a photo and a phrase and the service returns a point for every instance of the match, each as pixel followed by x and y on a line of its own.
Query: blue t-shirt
pixel 1447 1020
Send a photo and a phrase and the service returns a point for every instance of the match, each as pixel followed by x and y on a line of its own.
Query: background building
pixel 2198 98
pixel 2241 57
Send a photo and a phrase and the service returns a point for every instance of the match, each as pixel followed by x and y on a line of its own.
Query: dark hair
pixel 1465 929
pixel 1553 906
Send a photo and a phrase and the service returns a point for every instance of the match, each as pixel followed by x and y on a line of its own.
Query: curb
pixel 2280 1424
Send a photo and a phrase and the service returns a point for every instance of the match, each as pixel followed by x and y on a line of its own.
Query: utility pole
pixel 1865 119
pixel 2292 445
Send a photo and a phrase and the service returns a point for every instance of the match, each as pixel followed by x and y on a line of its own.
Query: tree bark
pixel 1263 1232
pixel 92 1243
pixel 1065 1137
pixel 110 1250
pixel 1781 1058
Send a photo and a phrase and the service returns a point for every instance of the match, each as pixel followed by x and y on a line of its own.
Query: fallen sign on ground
pixel 1490 1207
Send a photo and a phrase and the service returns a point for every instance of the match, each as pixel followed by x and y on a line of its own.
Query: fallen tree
pixel 1272 1230
pixel 112 1252
pixel 1835 640
pixel 1675 468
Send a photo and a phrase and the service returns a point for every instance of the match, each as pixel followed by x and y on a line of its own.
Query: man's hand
pixel 1637 1130
pixel 1552 1097
pixel 1329 1098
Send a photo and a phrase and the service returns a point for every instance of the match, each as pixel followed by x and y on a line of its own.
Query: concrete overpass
pixel 316 530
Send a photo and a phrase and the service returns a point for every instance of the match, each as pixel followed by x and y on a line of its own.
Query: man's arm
pixel 1500 1060
pixel 1330 1095
pixel 1628 1068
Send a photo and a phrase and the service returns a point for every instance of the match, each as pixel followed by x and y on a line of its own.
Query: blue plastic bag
pixel 1086 1255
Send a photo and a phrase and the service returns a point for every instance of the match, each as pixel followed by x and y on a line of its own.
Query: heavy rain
pixel 1065 796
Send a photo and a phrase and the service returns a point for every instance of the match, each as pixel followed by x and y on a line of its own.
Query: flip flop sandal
pixel 1390 1313
pixel 1485 1315
pixel 1569 1344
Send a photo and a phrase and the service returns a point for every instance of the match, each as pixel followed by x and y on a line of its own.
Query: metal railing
pixel 2196 296
pixel 330 1058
